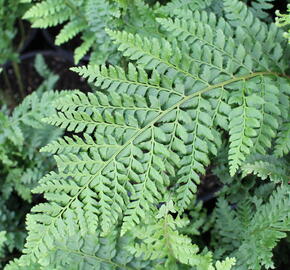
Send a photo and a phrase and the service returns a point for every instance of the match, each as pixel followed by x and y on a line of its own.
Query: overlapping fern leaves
pixel 10 12
pixel 159 239
pixel 87 18
pixel 22 134
pixel 252 230
pixel 149 135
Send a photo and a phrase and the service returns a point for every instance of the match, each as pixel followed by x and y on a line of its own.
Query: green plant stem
pixel 18 78
pixel 7 82
pixel 22 34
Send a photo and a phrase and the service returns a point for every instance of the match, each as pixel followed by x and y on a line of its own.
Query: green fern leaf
pixel 69 31
pixel 244 121
pixel 47 13
pixel 252 31
pixel 282 146
pixel 268 225
pixel 89 252
pixel 250 229
pixel 153 129
pixel 176 7
pixel 227 264
pixel 267 167
pixel 261 6
pixel 86 17
pixel 270 116
pixel 160 240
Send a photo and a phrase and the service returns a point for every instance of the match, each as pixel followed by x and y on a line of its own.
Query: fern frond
pixel 135 81
pixel 48 13
pixel 89 252
pixel 252 31
pixel 195 158
pixel 271 112
pixel 282 146
pixel 69 31
pixel 266 228
pixel 86 17
pixel 282 143
pixel 15 265
pixel 152 130
pixel 260 8
pixel 177 7
pixel 80 52
pixel 221 54
pixel 29 114
pixel 160 239
pixel 267 167
pixel 245 118
pixel 228 226
pixel 251 229
pixel 227 264
pixel 48 7
pixel 30 111
pixel 99 15
pixel 142 18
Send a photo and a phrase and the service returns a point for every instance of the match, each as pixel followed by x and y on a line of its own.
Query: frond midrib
pixel 100 259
